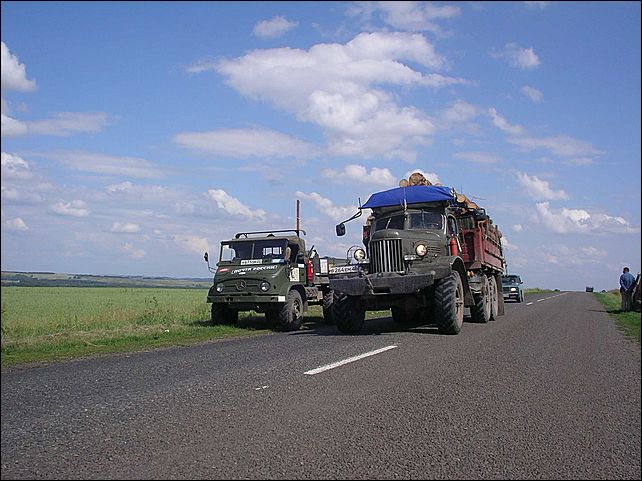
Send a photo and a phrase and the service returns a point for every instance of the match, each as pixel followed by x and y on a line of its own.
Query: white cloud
pixel 337 86
pixel 273 28
pixel 459 113
pixel 106 164
pixel 326 206
pixel 518 227
pixel 14 76
pixel 359 174
pixel 75 208
pixel 243 143
pixel 540 189
pixel 16 224
pixel 15 167
pixel 477 157
pixel 11 127
pixel 580 221
pixel 501 123
pixel 580 161
pixel 506 245
pixel 63 124
pixel 233 206
pixel 519 57
pixel 560 145
pixel 532 93
pixel 132 251
pixel 411 16
pixel 192 243
pixel 125 227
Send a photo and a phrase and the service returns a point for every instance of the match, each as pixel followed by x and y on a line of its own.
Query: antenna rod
pixel 298 219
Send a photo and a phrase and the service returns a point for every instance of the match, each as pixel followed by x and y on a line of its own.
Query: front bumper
pixel 382 284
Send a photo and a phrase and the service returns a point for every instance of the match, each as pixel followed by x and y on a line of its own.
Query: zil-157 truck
pixel 270 272
pixel 429 253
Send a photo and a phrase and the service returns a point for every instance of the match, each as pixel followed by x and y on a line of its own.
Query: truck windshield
pixel 511 279
pixel 416 220
pixel 257 250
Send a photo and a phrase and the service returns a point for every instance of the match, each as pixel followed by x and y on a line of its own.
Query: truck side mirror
pixel 341 229
pixel 206 257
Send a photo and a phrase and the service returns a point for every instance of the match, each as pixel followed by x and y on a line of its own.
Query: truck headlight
pixel 421 250
pixel 513 289
pixel 265 286
pixel 359 254
pixel 220 287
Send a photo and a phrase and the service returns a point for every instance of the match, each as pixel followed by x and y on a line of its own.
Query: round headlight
pixel 421 250
pixel 513 289
pixel 359 254
pixel 219 287
pixel 265 286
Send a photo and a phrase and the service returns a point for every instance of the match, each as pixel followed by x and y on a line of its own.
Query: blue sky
pixel 135 136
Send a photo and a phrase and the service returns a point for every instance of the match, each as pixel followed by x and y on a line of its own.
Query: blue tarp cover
pixel 415 194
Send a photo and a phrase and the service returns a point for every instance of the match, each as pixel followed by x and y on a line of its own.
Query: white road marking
pixel 528 303
pixel 346 361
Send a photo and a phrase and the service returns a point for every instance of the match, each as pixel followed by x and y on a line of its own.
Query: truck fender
pixel 457 264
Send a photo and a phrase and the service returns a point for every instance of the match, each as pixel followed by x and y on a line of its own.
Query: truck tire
pixel 328 299
pixel 290 317
pixel 221 314
pixel 482 310
pixel 348 314
pixel 494 312
pixel 449 304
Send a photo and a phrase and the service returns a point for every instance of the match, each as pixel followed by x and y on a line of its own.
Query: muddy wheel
pixel 328 299
pixel 221 314
pixel 290 317
pixel 348 313
pixel 494 296
pixel 482 310
pixel 449 304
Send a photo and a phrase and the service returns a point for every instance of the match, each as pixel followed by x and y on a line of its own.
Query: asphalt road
pixel 551 390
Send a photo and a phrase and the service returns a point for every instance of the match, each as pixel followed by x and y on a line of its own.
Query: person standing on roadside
pixel 626 282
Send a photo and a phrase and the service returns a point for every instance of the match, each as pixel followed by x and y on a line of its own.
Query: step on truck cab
pixel 269 272
pixel 429 253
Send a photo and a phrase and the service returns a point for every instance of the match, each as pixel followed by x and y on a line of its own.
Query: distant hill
pixel 52 279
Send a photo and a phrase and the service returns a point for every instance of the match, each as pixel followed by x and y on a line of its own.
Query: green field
pixel 627 322
pixel 47 323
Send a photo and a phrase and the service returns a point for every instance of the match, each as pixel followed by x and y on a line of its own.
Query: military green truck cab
pixel 272 273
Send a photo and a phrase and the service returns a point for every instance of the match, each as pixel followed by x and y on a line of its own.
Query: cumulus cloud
pixel 14 74
pixel 16 224
pixel 98 163
pixel 63 124
pixel 477 157
pixel 502 124
pixel 11 127
pixel 243 143
pixel 581 221
pixel 519 57
pixel 337 86
pixel 125 227
pixel 410 16
pixel 518 227
pixel 273 28
pixel 75 208
pixel 359 174
pixel 233 206
pixel 326 206
pixel 539 189
pixel 532 93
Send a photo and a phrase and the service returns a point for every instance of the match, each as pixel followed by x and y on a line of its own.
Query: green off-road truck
pixel 429 253
pixel 269 272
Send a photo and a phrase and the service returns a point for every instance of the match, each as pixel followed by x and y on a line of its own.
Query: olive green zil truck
pixel 429 253
pixel 269 272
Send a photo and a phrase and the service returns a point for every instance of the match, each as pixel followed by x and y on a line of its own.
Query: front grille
pixel 386 256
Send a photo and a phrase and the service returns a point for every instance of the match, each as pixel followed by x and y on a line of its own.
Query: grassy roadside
pixel 628 322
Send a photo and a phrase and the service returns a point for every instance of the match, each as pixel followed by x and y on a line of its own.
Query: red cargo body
pixel 481 246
